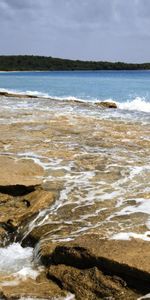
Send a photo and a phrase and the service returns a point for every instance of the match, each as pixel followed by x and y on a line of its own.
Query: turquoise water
pixel 129 88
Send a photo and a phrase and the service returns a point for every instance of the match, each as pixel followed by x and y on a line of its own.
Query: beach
pixel 74 197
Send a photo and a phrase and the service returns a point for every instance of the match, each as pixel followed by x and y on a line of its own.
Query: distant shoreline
pixel 30 63
pixel 47 71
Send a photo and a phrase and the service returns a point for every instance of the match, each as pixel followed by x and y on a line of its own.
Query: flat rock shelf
pixel 74 201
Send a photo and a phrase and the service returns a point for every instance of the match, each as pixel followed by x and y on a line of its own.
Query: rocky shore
pixel 69 182
pixel 88 267
pixel 102 104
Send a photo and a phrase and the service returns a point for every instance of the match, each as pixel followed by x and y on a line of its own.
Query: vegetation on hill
pixel 43 63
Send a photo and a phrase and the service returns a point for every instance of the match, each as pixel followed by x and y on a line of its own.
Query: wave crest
pixel 139 104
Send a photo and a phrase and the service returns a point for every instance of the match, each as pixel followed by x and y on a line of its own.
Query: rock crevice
pixel 101 265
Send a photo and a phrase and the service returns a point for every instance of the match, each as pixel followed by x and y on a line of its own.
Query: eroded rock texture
pixel 92 268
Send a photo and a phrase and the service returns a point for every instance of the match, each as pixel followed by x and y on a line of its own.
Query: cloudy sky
pixel 79 29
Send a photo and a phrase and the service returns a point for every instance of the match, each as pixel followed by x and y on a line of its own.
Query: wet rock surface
pixel 124 266
pixel 19 204
pixel 66 170
pixel 13 95
pixel 90 283
pixel 107 104
pixel 102 104
pixel 41 288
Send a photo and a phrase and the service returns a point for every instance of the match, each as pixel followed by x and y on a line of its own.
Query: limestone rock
pixel 128 260
pixel 21 172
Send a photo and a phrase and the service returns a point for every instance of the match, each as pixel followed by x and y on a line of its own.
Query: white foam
pixel 23 275
pixel 68 297
pixel 41 94
pixel 139 104
pixel 144 297
pixel 27 272
pixel 138 170
pixel 131 235
pixel 15 258
pixel 142 206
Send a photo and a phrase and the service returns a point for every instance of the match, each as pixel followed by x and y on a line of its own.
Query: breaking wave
pixel 137 104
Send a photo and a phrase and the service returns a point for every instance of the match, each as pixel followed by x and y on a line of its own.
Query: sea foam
pixel 139 104
pixel 136 104
pixel 15 258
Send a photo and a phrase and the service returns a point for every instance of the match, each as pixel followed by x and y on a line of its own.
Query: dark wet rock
pixel 17 190
pixel 107 104
pixel 3 236
pixel 127 260
pixel 39 232
pixel 13 95
pixel 90 283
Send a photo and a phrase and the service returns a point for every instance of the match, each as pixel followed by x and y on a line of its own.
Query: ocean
pixel 98 160
pixel 130 89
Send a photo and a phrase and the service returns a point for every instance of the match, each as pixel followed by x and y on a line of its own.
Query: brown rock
pixel 21 172
pixel 13 95
pixel 19 204
pixel 90 284
pixel 129 260
pixel 107 104
pixel 3 236
pixel 37 233
pixel 40 288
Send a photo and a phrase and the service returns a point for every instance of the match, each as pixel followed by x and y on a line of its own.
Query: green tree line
pixel 43 63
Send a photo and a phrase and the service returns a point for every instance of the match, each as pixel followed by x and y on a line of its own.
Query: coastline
pixel 89 70
pixel 45 62
pixel 84 168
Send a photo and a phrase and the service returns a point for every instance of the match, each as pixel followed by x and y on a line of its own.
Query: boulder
pixel 107 104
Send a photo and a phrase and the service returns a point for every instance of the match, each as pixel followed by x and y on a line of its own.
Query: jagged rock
pixel 90 284
pixel 128 260
pixel 107 104
pixel 19 205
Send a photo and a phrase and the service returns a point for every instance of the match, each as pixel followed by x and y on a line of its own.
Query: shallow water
pixel 99 159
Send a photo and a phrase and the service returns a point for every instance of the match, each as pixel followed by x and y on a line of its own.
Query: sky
pixel 108 30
